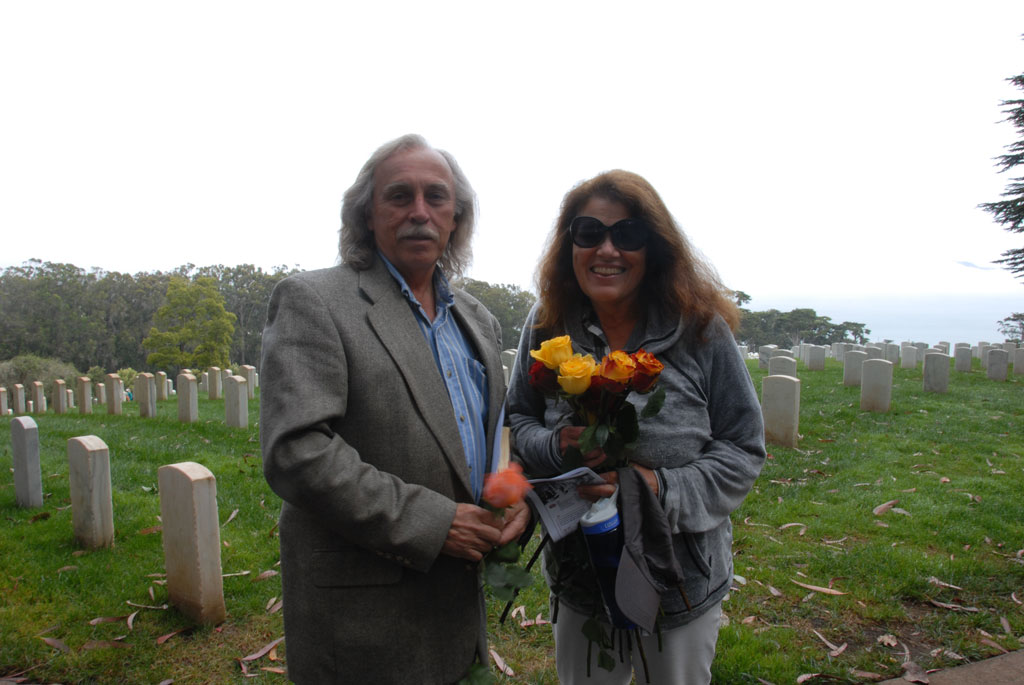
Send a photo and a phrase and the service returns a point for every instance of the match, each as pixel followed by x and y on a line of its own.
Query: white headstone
pixel 115 394
pixel 962 359
pixel 908 357
pixel 3 401
pixel 782 366
pixel 998 364
pixel 213 383
pixel 18 398
pixel 853 362
pixel 38 397
pixel 188 398
pixel 28 478
pixel 876 385
pixel 191 537
pixel 236 404
pixel 101 393
pixel 145 394
pixel 60 398
pixel 248 372
pixel 816 357
pixel 84 389
pixel 160 381
pixel 780 407
pixel 764 353
pixel 936 372
pixel 92 509
pixel 1018 362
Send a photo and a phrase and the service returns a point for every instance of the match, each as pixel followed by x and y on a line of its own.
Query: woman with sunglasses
pixel 618 274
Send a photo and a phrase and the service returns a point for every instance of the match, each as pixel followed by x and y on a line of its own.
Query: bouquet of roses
pixel 596 392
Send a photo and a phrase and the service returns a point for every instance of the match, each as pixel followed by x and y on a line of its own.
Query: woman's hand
pixel 569 436
pixel 592 493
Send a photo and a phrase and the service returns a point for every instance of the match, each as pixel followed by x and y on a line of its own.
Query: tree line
pixel 164 321
pixel 101 318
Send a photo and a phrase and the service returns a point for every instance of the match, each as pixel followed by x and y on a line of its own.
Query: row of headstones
pixel 188 513
pixel 780 389
pixel 149 389
pixel 907 354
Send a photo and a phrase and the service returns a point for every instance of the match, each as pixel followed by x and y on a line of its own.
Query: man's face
pixel 413 210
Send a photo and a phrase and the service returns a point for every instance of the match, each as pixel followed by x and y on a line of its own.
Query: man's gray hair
pixel 356 245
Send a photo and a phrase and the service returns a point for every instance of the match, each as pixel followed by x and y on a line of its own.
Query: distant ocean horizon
pixel 917 318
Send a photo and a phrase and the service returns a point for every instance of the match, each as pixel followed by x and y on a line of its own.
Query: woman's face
pixel 610 277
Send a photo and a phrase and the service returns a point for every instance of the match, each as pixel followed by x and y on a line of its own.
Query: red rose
pixel 543 379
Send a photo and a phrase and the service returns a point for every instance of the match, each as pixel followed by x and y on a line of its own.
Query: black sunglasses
pixel 627 234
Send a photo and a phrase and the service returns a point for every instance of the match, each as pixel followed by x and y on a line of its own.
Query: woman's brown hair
pixel 679 279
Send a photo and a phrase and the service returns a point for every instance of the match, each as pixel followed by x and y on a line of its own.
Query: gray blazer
pixel 360 441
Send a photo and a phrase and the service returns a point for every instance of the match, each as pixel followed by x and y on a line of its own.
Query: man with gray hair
pixel 381 401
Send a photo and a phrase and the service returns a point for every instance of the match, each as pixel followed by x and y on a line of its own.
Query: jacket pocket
pixel 697 553
pixel 352 567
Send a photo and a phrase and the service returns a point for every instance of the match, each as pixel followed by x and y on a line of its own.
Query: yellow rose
pixel 553 352
pixel 618 366
pixel 574 373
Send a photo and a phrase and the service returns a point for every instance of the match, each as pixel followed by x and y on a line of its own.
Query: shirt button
pixel 449 373
pixel 462 417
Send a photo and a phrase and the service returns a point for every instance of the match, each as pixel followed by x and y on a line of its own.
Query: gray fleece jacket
pixel 706 445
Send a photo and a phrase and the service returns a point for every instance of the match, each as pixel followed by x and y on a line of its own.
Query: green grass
pixel 954 461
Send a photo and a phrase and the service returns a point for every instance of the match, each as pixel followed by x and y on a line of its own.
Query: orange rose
pixel 617 366
pixel 553 352
pixel 506 487
pixel 647 370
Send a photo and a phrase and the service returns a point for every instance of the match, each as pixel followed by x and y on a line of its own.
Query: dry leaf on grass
pixel 803 527
pixel 994 645
pixel 234 575
pixel 277 607
pixel 539 621
pixel 264 650
pixel 954 607
pixel 500 663
pixel 816 588
pixel 884 507
pixel 1006 625
pixel 164 638
pixel 888 640
pixel 273 669
pixel 230 518
pixel 835 651
pixel 866 675
pixel 150 530
pixel 109 619
pixel 266 574
pixel 62 569
pixel 935 581
pixel 57 644
pixel 162 607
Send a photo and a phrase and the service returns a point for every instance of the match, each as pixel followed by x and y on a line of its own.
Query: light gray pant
pixel 685 657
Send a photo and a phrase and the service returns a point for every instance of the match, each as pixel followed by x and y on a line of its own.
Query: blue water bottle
pixel 603 533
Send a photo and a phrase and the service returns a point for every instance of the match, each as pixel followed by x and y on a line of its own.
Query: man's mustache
pixel 418 231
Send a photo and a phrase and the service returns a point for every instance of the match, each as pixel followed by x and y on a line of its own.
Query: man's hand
pixel 517 517
pixel 474 532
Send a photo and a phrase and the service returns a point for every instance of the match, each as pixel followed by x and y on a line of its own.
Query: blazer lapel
pixel 400 335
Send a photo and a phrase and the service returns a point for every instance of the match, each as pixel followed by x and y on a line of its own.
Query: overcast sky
pixel 823 154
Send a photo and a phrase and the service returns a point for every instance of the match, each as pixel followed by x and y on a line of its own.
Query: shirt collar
pixel 442 289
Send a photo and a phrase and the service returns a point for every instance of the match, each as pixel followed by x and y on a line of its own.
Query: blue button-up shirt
pixel 463 376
